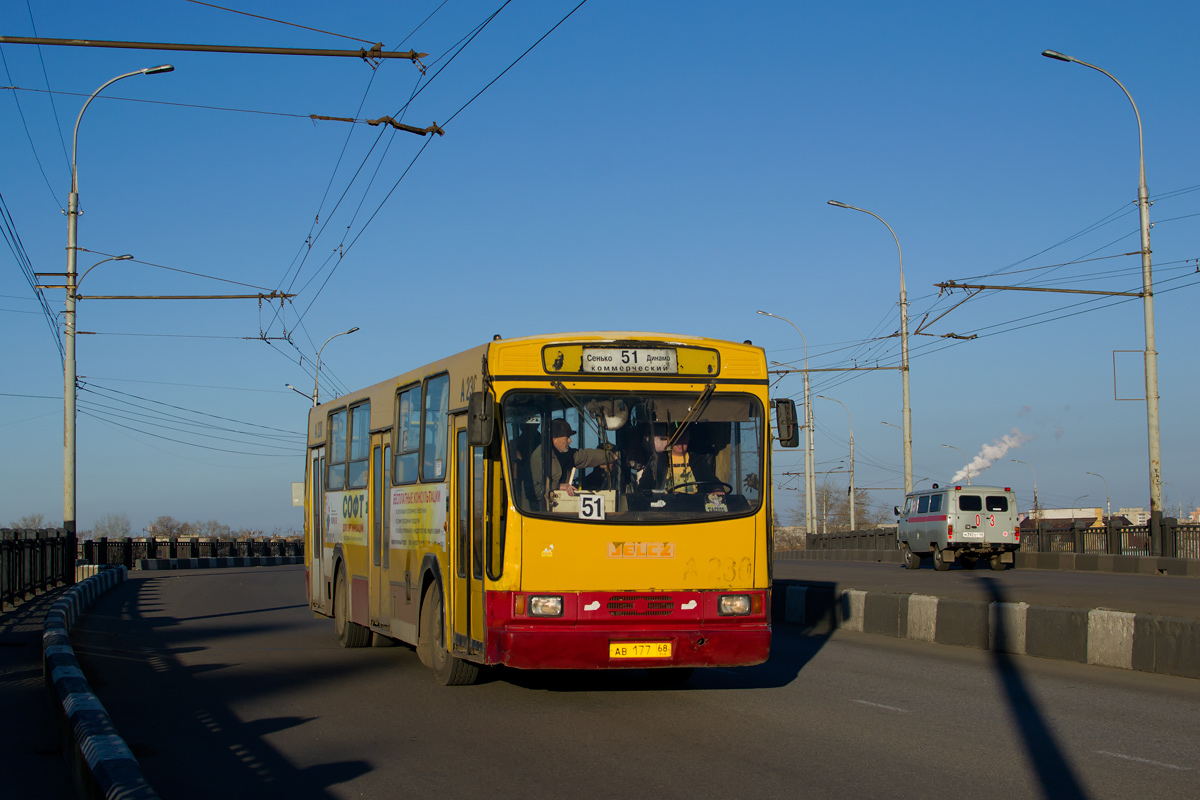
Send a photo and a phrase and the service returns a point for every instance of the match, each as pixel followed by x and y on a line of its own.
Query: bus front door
pixel 466 569
pixel 380 602
pixel 315 541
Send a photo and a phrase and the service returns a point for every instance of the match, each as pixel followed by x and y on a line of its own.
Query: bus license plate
pixel 639 649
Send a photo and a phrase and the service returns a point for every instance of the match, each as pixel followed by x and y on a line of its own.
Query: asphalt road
pixel 1165 595
pixel 224 684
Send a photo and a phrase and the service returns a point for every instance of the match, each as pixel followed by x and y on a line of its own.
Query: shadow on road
pixel 163 709
pixel 1054 772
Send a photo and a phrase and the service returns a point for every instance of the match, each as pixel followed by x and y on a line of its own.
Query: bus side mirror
pixel 481 421
pixel 896 510
pixel 785 420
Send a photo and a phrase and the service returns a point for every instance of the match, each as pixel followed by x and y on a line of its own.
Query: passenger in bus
pixel 556 474
pixel 678 470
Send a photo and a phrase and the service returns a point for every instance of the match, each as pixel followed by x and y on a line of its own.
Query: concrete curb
pixel 1080 562
pixel 101 763
pixel 218 563
pixel 1144 642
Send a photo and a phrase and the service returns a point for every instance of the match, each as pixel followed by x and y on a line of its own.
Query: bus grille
pixel 640 605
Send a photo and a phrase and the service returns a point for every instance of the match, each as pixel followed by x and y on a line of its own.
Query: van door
pixel 466 545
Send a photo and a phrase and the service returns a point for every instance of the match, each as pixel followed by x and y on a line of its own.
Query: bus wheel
pixel 939 560
pixel 668 677
pixel 997 564
pixel 348 633
pixel 911 559
pixel 449 669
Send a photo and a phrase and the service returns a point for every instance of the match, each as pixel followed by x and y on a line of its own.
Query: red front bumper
pixel 580 638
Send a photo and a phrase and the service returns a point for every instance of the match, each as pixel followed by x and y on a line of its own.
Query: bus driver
pixel 565 459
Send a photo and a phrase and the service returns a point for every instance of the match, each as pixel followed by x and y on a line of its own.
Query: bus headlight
pixel 545 605
pixel 733 605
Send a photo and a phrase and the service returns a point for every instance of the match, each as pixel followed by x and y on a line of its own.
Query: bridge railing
pixel 1179 540
pixel 33 561
pixel 128 551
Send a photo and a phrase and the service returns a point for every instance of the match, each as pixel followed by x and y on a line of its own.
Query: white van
pixel 959 523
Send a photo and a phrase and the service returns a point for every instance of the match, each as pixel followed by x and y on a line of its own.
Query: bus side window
pixel 923 504
pixel 935 503
pixel 433 438
pixel 408 435
pixel 337 451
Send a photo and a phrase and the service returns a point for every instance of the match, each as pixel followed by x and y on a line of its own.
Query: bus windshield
pixel 626 457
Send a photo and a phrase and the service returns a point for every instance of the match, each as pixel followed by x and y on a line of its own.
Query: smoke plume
pixel 990 452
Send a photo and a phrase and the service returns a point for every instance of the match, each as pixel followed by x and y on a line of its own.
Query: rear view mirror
pixel 785 421
pixel 896 510
pixel 481 422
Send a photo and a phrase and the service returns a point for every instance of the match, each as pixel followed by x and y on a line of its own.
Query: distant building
pixel 1136 516
pixel 1194 516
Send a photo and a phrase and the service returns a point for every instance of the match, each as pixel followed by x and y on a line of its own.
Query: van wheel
pixel 348 633
pixel 939 561
pixel 911 559
pixel 968 562
pixel 997 564
pixel 449 669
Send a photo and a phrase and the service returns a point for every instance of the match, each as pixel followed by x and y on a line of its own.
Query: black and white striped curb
pixel 218 563
pixel 1144 642
pixel 103 763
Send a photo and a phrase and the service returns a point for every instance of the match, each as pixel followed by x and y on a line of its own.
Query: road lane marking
pixel 880 705
pixel 1144 761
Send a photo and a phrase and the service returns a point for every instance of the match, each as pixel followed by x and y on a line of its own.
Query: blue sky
pixel 648 166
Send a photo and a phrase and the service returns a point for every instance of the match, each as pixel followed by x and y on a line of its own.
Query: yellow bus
pixel 571 501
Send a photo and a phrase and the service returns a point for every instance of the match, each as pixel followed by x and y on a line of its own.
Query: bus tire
pixel 911 559
pixel 997 564
pixel 939 561
pixel 348 633
pixel 449 669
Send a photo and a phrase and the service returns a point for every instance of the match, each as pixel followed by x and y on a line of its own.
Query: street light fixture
pixel 317 371
pixel 1107 504
pixel 959 449
pixel 852 498
pixel 907 410
pixel 69 367
pixel 1151 357
pixel 1035 502
pixel 1076 500
pixel 297 391
pixel 810 484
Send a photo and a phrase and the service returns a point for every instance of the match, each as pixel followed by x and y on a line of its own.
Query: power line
pixel 281 22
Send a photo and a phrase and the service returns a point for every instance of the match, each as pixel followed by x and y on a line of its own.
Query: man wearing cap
pixel 564 461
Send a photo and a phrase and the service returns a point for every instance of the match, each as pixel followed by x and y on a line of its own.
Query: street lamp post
pixel 1076 500
pixel 810 484
pixel 69 368
pixel 1035 502
pixel 1107 503
pixel 907 410
pixel 317 369
pixel 959 449
pixel 1148 313
pixel 852 498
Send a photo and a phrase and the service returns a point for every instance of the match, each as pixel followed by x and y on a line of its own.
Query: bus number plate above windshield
pixel 630 360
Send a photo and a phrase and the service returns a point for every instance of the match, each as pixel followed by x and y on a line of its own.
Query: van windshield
pixel 634 456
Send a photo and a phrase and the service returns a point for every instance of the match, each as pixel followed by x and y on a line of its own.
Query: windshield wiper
pixel 693 413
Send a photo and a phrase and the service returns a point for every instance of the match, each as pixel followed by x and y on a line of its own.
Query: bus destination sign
pixel 630 360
